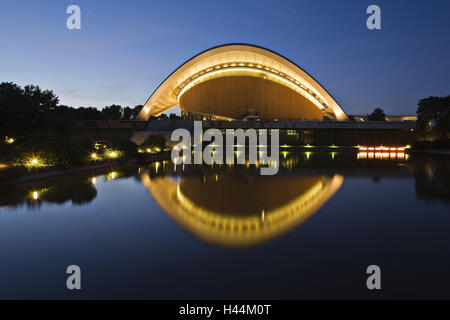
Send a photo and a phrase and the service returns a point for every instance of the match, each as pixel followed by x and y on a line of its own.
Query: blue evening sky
pixel 126 48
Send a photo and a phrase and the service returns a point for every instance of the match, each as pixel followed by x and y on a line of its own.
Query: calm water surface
pixel 226 232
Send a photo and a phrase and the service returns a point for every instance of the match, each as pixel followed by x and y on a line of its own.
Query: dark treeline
pixel 113 112
pixel 25 110
pixel 434 114
pixel 34 125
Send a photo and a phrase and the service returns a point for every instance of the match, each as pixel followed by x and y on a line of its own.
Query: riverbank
pixel 27 177
pixel 59 173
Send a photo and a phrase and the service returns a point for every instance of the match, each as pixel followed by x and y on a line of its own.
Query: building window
pixel 307 137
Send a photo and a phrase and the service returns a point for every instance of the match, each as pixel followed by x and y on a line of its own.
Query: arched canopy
pixel 220 224
pixel 241 60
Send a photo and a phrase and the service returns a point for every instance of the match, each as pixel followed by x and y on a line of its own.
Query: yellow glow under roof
pixel 255 59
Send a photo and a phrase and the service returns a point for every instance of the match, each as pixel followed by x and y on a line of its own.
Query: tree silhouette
pixel 434 110
pixel 113 112
pixel 377 115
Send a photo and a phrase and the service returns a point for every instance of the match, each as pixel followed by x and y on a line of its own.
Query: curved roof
pixel 232 58
pixel 239 230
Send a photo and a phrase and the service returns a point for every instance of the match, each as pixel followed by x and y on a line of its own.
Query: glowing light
pixel 94 156
pixel 275 75
pixel 35 195
pixel 112 175
pixel 362 155
pixel 382 153
pixel 9 140
pixel 94 180
pixel 113 154
pixel 34 162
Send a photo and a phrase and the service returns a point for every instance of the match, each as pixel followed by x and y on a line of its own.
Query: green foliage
pixel 25 110
pixel 41 129
pixel 135 111
pixel 50 149
pixel 377 115
pixel 129 149
pixel 127 113
pixel 113 112
pixel 155 143
pixel 434 113
pixel 174 116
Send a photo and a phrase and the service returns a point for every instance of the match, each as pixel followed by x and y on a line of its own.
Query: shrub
pixel 155 143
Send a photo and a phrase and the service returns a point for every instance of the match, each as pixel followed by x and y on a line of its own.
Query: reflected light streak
pixel 229 230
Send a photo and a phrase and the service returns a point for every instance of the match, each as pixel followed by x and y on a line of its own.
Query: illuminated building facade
pixel 240 81
pixel 245 86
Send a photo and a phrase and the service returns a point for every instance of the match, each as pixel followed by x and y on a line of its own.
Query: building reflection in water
pixel 234 205
pixel 241 210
